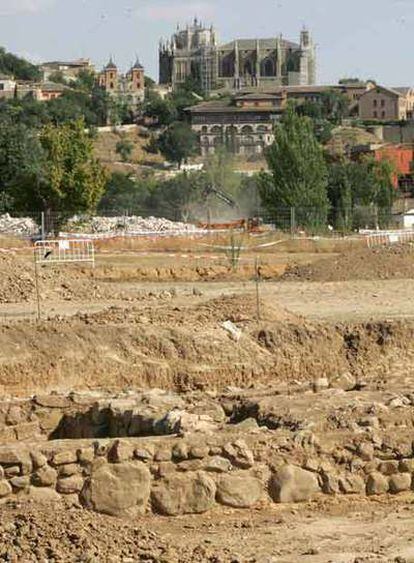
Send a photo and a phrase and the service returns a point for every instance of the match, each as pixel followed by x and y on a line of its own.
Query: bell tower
pixel 108 79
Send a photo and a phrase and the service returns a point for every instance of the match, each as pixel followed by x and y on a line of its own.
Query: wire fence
pixel 292 221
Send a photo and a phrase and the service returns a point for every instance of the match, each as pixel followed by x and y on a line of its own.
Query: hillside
pixel 18 67
pixel 105 149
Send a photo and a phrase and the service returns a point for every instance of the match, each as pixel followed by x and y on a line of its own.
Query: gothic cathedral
pixel 194 52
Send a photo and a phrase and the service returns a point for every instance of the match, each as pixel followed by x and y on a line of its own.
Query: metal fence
pixel 144 222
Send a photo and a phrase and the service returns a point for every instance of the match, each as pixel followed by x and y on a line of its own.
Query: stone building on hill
pixel 195 52
pixel 129 87
pixel 70 70
pixel 387 104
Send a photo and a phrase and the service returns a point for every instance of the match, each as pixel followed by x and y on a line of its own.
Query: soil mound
pixel 239 309
pixel 72 283
pixel 391 262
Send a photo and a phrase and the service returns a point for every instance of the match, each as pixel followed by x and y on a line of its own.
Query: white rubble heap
pixel 133 225
pixel 17 225
pixel 106 226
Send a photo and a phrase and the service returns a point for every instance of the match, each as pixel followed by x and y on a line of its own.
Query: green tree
pixel 18 67
pixel 57 77
pixel 124 148
pixel 386 193
pixel 297 174
pixel 340 195
pixel 125 193
pixel 178 142
pixel 21 158
pixel 161 110
pixel 85 81
pixel 67 179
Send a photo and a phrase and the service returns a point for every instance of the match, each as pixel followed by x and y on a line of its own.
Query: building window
pixel 375 103
pixel 375 114
pixel 111 85
pixel 383 114
pixel 383 103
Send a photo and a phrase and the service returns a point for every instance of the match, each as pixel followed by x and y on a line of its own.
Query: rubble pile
pixel 23 226
pixel 132 224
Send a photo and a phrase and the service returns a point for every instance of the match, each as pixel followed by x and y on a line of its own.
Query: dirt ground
pixel 153 317
pixel 353 531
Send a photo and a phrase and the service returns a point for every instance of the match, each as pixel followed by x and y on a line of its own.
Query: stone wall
pixel 173 476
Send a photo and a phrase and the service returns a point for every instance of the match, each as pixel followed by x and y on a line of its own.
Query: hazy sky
pixel 366 38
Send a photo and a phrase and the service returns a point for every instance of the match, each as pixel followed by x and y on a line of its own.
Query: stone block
pixel 218 464
pixel 5 489
pixel 366 451
pixel 180 451
pixel 41 495
pixel 239 454
pixel 70 485
pixel 46 476
pixel 199 452
pixel 12 471
pixel 145 453
pixel 330 483
pixel 20 483
pixel 377 484
pixel 400 482
pixel 406 466
pixel 120 489
pixel 184 494
pixel 388 467
pixel 293 484
pixel 38 459
pixel 350 484
pixel 69 470
pixel 190 465
pixel 65 458
pixel 163 454
pixel 85 456
pixel 239 491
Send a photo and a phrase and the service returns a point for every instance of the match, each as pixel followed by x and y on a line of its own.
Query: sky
pixel 363 38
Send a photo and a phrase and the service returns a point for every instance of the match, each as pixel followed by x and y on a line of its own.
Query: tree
pixel 67 179
pixel 18 67
pixel 340 195
pixel 178 142
pixel 161 110
pixel 124 148
pixel 123 192
pixel 21 158
pixel 298 173
pixel 386 193
pixel 85 81
pixel 57 77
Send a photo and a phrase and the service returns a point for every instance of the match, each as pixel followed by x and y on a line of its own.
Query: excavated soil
pixel 334 397
pixel 187 347
pixel 385 263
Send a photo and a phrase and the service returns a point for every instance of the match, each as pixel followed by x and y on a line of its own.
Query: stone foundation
pixel 171 455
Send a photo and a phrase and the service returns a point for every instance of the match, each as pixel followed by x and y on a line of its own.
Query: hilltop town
pixel 231 94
